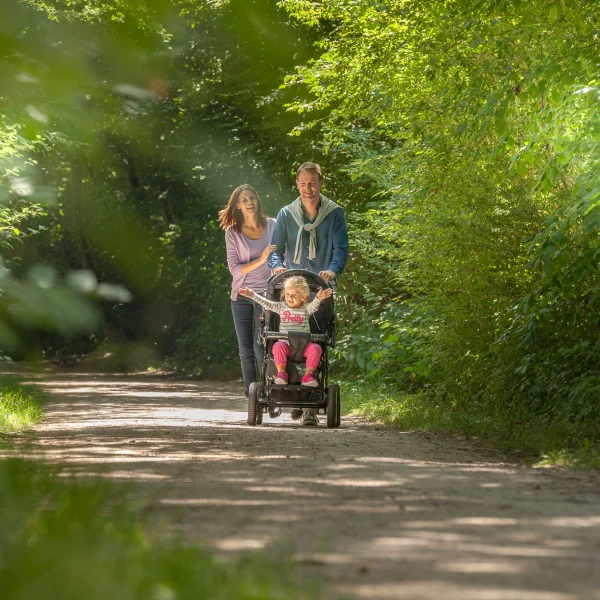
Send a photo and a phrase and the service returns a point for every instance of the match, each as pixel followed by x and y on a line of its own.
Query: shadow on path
pixel 379 513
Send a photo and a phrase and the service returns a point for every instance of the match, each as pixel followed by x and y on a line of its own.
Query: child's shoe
pixel 282 378
pixel 309 380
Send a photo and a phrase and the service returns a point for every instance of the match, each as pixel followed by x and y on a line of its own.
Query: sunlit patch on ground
pixel 378 513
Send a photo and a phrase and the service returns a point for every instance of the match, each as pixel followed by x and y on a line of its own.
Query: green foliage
pixel 20 407
pixel 461 138
pixel 71 540
pixel 477 258
pixel 148 115
pixel 585 457
pixel 19 200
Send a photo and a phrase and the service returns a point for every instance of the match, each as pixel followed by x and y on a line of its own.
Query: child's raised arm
pixel 268 304
pixel 322 294
pixel 313 307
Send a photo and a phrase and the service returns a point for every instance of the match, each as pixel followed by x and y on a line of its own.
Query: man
pixel 311 234
pixel 311 231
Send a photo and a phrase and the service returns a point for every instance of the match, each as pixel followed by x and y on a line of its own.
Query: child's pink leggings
pixel 312 354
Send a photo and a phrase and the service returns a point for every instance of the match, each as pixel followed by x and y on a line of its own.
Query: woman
pixel 248 233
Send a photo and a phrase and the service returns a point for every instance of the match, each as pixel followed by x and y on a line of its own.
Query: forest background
pixel 461 138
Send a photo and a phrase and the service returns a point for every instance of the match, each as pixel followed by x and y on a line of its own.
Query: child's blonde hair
pixel 298 283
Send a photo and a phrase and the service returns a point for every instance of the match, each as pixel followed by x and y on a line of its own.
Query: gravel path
pixel 374 512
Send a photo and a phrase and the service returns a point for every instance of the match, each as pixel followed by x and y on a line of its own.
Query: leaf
pixel 552 174
pixel 521 169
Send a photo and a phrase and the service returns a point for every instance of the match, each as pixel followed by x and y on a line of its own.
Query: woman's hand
pixel 257 262
pixel 322 294
pixel 265 253
pixel 247 292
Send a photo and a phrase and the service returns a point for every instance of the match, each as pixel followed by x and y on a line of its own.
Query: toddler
pixel 293 316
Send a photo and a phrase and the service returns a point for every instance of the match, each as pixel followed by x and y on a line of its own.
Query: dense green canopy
pixel 460 137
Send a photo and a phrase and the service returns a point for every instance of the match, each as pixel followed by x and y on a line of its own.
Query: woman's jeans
pixel 247 328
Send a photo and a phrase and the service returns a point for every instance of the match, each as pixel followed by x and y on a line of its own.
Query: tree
pixel 477 125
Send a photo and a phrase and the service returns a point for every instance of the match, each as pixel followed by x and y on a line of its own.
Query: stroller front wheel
pixel 260 390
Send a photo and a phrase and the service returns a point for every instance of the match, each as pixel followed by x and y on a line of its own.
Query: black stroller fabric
pixel 298 341
pixel 322 321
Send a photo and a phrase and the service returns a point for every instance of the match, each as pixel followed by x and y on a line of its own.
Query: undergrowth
pixel 530 437
pixel 20 407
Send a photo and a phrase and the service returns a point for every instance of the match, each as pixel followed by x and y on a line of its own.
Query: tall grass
pixel 20 407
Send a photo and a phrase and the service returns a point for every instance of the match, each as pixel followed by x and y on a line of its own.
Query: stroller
pixel 264 394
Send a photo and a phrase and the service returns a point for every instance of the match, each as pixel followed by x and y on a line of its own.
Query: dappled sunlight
pixel 238 544
pixel 108 391
pixel 427 587
pixel 144 415
pixel 496 521
pixel 123 475
pixel 458 139
pixel 373 497
pixel 591 521
pixel 480 567
pixel 220 502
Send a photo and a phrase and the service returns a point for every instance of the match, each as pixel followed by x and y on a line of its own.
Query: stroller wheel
pixel 253 409
pixel 333 406
pixel 259 394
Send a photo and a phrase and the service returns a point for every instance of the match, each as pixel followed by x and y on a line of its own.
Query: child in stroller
pixel 290 337
pixel 293 316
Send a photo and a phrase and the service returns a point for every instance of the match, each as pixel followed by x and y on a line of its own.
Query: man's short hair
pixel 312 168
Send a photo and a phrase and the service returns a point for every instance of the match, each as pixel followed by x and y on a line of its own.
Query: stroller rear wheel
pixel 254 414
pixel 333 406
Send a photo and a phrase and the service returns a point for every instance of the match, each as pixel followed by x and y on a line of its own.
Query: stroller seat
pixel 321 322
pixel 298 341
pixel 323 326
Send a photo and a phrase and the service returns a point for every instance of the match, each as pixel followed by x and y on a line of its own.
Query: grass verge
pixel 527 437
pixel 69 540
pixel 20 407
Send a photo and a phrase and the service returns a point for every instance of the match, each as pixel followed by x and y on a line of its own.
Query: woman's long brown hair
pixel 231 215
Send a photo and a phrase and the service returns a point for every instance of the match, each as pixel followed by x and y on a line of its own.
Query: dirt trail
pixel 374 512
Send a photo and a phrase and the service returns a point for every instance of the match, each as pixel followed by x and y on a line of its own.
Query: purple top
pixel 242 250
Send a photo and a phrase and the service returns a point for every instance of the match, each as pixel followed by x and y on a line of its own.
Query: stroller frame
pixel 324 398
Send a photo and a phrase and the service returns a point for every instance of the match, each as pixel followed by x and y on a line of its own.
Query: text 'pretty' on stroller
pixel 323 398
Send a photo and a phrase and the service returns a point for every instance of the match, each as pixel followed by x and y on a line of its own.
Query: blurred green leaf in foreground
pixel 68 540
